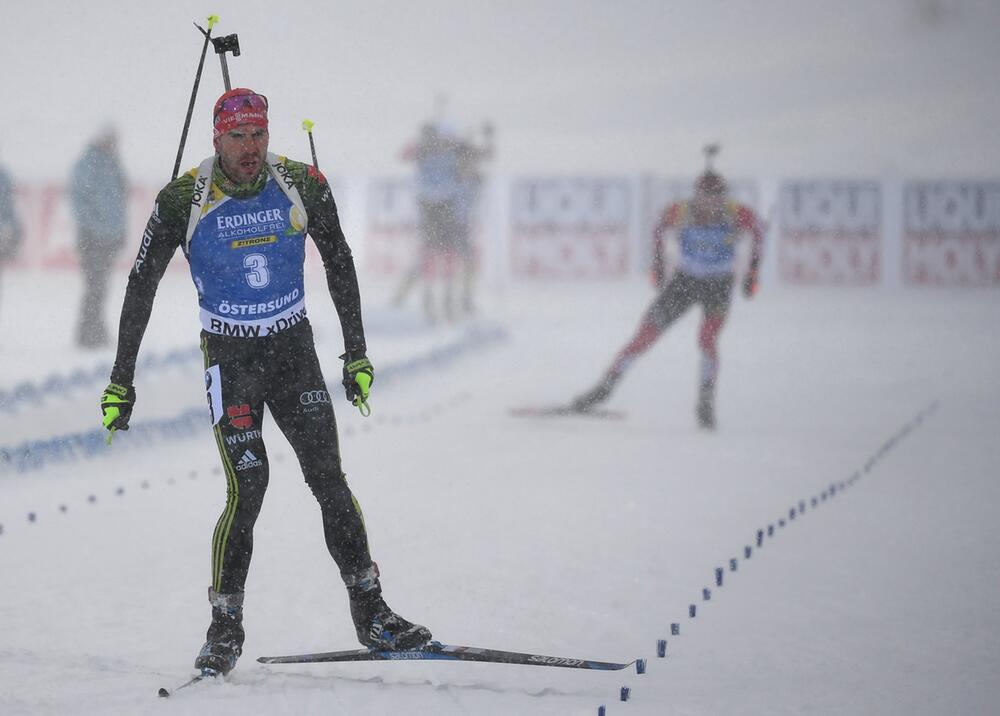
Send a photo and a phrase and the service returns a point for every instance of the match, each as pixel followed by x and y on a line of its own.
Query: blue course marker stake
pixel 706 594
pixel 626 692
pixel 675 629
pixel 640 666
pixel 692 610
pixel 31 517
pixel 760 538
pixel 661 648
pixel 718 576
pixel 732 565
pixel 747 551
pixel 601 711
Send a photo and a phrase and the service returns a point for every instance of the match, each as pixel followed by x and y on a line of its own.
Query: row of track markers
pixel 366 426
pixel 771 529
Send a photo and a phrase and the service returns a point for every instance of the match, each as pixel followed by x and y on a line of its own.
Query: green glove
pixel 358 378
pixel 116 405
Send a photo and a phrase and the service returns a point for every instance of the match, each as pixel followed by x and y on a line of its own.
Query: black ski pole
pixel 229 43
pixel 212 19
pixel 308 126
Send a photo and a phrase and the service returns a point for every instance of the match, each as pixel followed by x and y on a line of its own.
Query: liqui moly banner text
pixel 951 233
pixel 570 227
pixel 392 226
pixel 830 232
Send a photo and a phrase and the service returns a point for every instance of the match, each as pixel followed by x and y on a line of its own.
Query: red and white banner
pixel 50 234
pixel 830 232
pixel 826 232
pixel 392 239
pixel 951 233
pixel 50 230
pixel 570 227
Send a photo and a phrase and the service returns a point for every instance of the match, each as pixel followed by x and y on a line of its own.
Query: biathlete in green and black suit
pixel 241 219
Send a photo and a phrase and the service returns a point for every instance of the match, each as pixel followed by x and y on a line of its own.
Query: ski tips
pixel 209 674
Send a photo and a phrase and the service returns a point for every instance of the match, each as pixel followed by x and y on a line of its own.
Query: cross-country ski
pixel 566 411
pixel 205 675
pixel 435 651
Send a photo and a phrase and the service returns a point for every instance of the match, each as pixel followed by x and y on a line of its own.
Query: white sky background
pixel 889 88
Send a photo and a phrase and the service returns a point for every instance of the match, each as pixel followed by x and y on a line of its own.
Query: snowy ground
pixel 572 537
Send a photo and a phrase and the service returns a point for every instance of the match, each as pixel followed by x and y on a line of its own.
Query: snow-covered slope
pixel 572 537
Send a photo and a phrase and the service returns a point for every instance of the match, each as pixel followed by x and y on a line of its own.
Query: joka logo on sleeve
pixel 239 416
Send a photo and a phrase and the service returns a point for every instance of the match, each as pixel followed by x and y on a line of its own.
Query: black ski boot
pixel 706 407
pixel 224 641
pixel 596 395
pixel 379 627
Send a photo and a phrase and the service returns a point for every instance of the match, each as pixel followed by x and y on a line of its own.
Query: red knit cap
pixel 239 106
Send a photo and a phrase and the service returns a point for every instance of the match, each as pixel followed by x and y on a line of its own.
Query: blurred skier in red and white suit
pixel 695 262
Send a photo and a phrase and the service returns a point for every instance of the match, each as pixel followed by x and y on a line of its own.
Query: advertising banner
pixel 830 232
pixel 50 230
pixel 391 226
pixel 951 233
pixel 565 227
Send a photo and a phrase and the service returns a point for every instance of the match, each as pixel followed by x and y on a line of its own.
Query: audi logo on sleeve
pixel 314 397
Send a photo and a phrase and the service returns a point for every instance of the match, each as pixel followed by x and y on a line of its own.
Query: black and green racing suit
pixel 243 374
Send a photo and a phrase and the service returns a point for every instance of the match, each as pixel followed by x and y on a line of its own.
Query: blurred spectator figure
pixel 98 193
pixel 447 188
pixel 10 225
pixel 698 267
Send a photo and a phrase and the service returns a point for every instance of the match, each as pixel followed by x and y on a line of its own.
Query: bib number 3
pixel 257 274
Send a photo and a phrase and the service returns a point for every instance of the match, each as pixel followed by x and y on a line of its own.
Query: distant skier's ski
pixel 446 652
pixel 206 674
pixel 556 411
